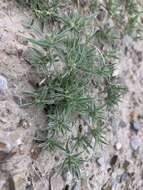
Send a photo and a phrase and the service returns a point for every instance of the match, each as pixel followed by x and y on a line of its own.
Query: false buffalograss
pixel 76 62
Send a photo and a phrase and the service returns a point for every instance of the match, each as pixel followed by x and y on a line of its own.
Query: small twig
pixel 42 81
pixel 104 62
pixel 42 179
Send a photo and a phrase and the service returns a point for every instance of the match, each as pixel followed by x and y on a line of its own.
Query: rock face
pixel 16 134
pixel 117 171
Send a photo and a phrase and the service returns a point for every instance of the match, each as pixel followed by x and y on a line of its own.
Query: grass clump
pixel 45 11
pixel 78 88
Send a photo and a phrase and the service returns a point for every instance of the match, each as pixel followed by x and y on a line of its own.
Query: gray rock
pixel 122 124
pixel 135 143
pixel 136 126
pixel 118 146
pixel 3 83
pixel 101 161
pixel 124 177
pixel 113 160
pixel 76 186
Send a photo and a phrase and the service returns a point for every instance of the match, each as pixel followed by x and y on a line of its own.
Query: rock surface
pixel 111 168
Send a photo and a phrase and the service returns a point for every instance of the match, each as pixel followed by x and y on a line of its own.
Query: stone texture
pixel 15 72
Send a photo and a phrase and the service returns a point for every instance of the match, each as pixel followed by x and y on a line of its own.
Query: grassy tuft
pixel 76 62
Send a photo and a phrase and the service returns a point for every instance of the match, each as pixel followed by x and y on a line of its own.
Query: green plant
pixel 72 161
pixel 43 10
pixel 114 93
pixel 76 63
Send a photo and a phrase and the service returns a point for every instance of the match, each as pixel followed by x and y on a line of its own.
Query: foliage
pixel 44 10
pixel 72 161
pixel 75 60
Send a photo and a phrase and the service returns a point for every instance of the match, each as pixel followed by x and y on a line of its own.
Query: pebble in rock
pixel 118 146
pixel 135 143
pixel 126 164
pixel 101 161
pixel 113 160
pixel 6 151
pixel 3 83
pixel 124 177
pixel 136 126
